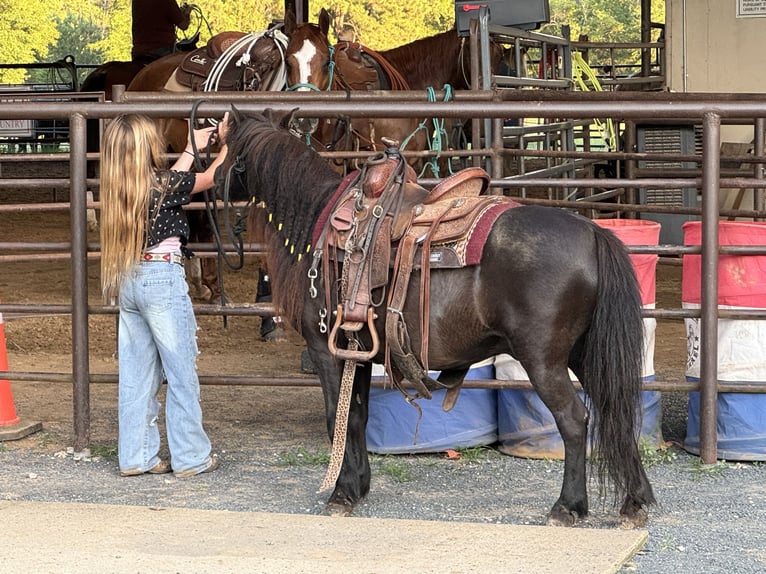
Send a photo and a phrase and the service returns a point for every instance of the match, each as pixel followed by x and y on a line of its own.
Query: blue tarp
pixel 526 427
pixel 393 423
pixel 740 424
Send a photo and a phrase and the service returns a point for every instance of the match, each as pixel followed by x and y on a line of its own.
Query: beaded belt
pixel 167 257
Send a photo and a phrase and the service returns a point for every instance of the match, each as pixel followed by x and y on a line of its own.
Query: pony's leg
pixel 557 392
pixel 209 278
pixel 354 479
pixel 271 327
pixel 203 273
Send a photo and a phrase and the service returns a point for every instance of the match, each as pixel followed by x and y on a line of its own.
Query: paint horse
pixel 543 284
pixel 315 65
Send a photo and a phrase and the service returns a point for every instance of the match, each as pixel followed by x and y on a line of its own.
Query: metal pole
pixel 486 77
pixel 758 139
pixel 711 126
pixel 78 225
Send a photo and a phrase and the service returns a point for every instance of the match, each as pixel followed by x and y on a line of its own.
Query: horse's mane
pixel 431 61
pixel 290 185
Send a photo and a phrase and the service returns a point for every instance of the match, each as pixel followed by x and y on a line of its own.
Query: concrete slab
pixel 85 538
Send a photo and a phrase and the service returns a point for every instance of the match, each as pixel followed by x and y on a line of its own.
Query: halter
pixel 330 67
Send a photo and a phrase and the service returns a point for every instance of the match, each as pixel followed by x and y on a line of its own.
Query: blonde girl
pixel 143 237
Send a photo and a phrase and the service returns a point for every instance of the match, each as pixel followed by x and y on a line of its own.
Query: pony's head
pixel 288 186
pixel 268 166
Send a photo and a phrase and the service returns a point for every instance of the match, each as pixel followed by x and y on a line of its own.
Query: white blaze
pixel 304 57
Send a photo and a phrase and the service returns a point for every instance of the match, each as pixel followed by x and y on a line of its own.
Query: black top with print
pixel 168 218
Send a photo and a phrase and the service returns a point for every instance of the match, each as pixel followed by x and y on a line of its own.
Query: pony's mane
pixel 289 184
pixel 428 61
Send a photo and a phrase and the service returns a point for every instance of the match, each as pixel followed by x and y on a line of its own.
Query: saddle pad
pixel 477 236
pixel 173 85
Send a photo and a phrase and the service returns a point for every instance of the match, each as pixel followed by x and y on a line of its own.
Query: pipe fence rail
pixel 709 110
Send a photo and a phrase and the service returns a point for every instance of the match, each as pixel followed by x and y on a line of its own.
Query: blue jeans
pixel 157 340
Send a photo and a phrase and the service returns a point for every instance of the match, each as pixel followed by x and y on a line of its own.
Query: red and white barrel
pixel 741 422
pixel 526 427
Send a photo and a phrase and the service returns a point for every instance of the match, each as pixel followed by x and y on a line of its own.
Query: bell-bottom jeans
pixel 157 340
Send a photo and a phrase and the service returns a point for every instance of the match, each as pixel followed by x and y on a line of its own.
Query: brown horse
pixel 262 69
pixel 545 285
pixel 438 60
pixel 441 62
pixel 315 65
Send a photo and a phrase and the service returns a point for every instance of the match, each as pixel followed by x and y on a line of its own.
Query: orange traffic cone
pixel 11 427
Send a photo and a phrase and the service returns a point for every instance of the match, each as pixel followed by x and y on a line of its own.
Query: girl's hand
pixel 201 138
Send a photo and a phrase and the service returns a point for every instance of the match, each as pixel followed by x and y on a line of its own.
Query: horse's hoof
pixel 201 294
pixel 337 509
pixel 637 519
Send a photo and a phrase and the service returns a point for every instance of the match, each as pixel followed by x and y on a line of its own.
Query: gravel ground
pixel 709 518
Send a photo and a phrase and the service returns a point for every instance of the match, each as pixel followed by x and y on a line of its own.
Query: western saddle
pixel 382 228
pixel 232 61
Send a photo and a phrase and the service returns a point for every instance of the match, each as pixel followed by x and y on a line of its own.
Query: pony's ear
pixel 290 22
pixel 324 21
pixel 236 115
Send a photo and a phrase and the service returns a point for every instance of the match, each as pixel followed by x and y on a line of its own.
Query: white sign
pixel 751 8
pixel 16 128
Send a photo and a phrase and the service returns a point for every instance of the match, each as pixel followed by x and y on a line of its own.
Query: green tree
pixel 77 36
pixel 26 29
pixel 602 20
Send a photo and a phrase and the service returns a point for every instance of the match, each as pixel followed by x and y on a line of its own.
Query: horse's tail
pixel 612 369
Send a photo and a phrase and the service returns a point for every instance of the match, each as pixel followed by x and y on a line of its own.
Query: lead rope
pixel 341 422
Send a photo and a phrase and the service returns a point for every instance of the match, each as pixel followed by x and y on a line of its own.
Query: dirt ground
pixel 235 415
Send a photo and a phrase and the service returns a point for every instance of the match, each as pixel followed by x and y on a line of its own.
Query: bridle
pixel 234 230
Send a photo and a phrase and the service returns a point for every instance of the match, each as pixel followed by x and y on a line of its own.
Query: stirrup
pixel 347 354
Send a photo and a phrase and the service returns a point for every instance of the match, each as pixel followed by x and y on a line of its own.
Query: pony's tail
pixel 612 369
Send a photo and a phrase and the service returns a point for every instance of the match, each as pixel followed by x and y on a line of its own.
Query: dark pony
pixel 550 288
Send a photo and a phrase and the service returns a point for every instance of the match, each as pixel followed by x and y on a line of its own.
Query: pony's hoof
pixel 276 335
pixel 307 365
pixel 561 517
pixel 337 509
pixel 637 519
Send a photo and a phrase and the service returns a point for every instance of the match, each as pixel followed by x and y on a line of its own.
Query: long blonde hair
pixel 131 154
